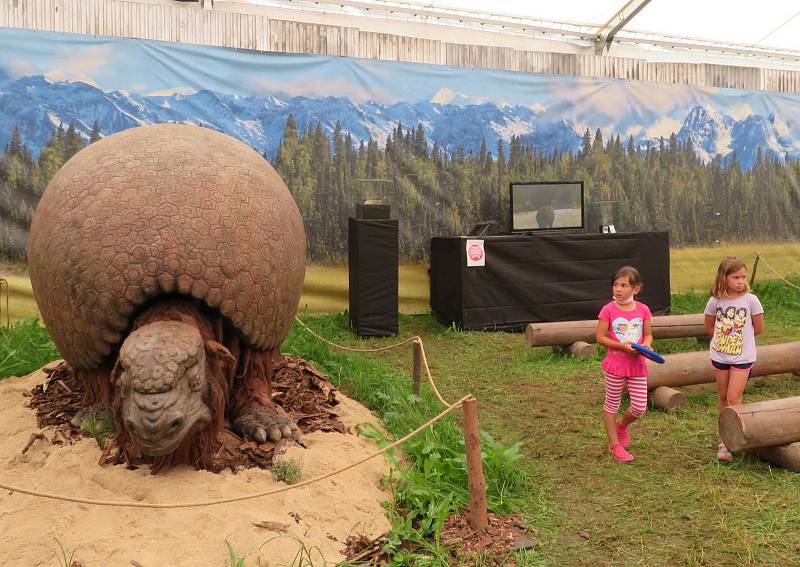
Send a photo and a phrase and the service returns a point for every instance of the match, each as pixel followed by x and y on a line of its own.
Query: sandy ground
pixel 320 515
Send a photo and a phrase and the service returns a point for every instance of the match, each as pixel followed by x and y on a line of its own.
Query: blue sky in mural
pixel 122 83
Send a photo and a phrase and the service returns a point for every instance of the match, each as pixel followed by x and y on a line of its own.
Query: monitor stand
pixel 550 232
pixel 481 228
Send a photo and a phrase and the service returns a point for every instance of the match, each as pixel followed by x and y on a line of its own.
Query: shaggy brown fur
pixel 97 385
pixel 229 362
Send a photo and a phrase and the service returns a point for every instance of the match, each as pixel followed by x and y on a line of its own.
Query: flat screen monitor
pixel 547 206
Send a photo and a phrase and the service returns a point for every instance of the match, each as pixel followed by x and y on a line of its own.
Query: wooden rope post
pixel 417 372
pixel 478 515
pixel 755 267
pixel 4 289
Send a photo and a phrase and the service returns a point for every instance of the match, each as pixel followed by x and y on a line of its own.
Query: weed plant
pixel 304 557
pixel 287 470
pixel 100 427
pixel 236 561
pixel 64 558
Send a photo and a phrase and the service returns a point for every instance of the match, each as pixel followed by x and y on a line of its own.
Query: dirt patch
pixel 467 546
pixel 320 515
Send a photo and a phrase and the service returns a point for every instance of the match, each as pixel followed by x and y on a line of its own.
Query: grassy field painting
pixel 326 287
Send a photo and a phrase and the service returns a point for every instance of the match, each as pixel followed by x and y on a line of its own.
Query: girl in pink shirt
pixel 621 322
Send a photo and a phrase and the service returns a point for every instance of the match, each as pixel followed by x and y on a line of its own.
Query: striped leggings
pixel 637 391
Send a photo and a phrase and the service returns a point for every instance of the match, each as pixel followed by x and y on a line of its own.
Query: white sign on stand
pixel 476 253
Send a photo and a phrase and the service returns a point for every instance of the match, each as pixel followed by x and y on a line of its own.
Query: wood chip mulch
pixel 360 548
pixel 299 388
pixel 494 545
pixel 504 535
pixel 56 402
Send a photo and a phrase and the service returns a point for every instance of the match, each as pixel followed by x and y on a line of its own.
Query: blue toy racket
pixel 648 353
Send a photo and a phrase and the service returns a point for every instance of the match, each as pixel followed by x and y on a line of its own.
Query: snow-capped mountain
pixel 37 105
pixel 709 131
pixel 715 134
pixel 449 119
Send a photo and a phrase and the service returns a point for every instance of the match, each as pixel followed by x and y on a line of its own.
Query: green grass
pixel 545 449
pixel 434 483
pixel 675 505
pixel 25 347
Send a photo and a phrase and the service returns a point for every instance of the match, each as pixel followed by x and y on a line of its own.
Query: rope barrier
pixel 324 340
pixel 429 375
pixel 775 272
pixel 415 338
pixel 124 504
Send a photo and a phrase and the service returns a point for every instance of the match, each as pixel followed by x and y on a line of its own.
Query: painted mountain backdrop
pixel 36 105
pixel 439 144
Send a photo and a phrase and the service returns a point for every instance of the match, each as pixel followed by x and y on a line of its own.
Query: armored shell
pixel 159 210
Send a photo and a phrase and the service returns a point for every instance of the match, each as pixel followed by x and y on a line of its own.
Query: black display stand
pixel 543 278
pixel 373 258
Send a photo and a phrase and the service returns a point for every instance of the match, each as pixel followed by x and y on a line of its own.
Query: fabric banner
pixel 439 145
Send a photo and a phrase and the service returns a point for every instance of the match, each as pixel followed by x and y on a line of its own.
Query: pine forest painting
pixel 439 144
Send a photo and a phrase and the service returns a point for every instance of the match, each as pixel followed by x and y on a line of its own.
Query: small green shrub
pixel 100 426
pixel 287 470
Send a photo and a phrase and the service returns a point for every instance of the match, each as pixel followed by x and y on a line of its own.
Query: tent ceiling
pixel 765 27
pixel 766 23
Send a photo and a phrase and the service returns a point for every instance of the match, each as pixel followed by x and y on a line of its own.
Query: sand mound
pixel 320 515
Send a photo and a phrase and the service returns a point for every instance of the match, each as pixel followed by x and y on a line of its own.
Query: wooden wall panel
pixel 165 20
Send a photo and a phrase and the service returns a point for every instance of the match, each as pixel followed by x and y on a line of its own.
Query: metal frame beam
pixel 605 34
pixel 582 34
pixel 445 15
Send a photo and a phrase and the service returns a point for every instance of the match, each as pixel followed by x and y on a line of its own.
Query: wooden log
pixel 762 424
pixel 689 368
pixel 581 349
pixel 478 512
pixel 786 456
pixel 569 332
pixel 668 399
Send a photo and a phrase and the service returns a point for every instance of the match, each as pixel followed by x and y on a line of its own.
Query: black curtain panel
pixel 542 278
pixel 373 258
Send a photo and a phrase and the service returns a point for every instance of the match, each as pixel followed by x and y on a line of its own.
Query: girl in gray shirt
pixel 733 318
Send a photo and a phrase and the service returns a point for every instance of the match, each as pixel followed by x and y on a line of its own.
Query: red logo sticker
pixel 475 252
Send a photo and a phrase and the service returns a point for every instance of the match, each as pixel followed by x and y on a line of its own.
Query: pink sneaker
pixel 723 454
pixel 620 454
pixel 623 436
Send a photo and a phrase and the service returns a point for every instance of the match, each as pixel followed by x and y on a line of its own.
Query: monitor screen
pixel 551 205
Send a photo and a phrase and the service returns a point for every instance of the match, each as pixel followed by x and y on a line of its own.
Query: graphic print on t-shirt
pixel 627 330
pixel 729 330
